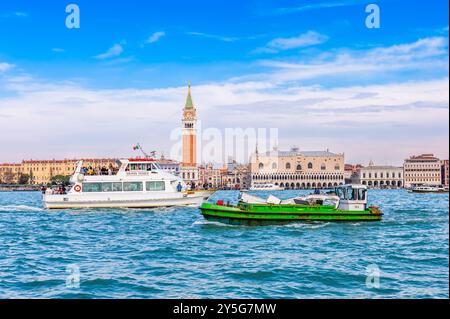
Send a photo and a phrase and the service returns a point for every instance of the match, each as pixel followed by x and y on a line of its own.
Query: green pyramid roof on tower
pixel 189 103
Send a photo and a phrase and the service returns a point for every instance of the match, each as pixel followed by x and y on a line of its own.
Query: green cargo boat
pixel 345 203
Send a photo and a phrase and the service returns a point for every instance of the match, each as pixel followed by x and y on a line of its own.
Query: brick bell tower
pixel 189 168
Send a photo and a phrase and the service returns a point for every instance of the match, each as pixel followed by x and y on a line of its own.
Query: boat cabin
pixel 352 197
pixel 139 166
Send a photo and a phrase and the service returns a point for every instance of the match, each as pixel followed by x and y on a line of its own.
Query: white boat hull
pixel 128 201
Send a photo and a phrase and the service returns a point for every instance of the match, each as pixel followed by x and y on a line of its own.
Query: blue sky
pixel 314 62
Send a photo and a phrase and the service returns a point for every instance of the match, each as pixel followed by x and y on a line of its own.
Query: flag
pixel 136 147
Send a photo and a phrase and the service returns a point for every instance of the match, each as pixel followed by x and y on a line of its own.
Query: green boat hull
pixel 266 214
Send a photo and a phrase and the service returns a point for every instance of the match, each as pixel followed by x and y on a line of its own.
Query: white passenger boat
pixel 139 183
pixel 265 186
pixel 429 189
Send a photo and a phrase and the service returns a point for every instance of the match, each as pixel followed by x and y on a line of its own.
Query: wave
pixel 212 223
pixel 20 208
pixel 307 225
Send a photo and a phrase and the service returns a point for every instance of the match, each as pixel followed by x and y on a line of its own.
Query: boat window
pixel 353 193
pixel 361 194
pixel 106 187
pixel 155 186
pixel 116 187
pixel 340 192
pixel 132 186
pixel 92 187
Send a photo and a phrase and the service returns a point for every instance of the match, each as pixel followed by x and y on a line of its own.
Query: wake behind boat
pixel 139 183
pixel 346 203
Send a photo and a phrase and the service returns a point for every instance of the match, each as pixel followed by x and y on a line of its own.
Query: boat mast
pixel 139 147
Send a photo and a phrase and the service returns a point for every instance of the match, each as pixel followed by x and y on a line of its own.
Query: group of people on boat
pixel 191 186
pixel 59 190
pixel 98 170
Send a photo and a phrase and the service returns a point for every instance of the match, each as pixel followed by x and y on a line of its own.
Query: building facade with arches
pixel 298 169
pixel 381 176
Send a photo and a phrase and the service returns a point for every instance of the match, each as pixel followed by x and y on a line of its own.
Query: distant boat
pixel 265 186
pixel 139 183
pixel 429 189
pixel 346 203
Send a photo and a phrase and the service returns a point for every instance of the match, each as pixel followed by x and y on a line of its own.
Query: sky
pixel 311 69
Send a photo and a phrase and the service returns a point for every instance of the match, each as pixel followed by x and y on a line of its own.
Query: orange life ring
pixel 77 188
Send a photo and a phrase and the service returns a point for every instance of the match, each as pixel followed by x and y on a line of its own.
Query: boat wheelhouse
pixel 138 183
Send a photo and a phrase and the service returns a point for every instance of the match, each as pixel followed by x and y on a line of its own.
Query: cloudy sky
pixel 311 69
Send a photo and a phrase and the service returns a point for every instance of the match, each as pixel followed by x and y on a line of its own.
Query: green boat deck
pixel 257 214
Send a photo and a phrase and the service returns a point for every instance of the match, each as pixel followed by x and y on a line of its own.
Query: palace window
pixel 323 167
pixel 288 165
pixel 337 167
pixel 310 165
pixel 299 167
pixel 274 165
pixel 261 165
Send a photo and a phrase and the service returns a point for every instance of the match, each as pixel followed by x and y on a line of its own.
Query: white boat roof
pixel 356 186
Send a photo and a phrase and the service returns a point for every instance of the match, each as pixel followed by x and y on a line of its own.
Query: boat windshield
pixel 350 193
pixel 142 167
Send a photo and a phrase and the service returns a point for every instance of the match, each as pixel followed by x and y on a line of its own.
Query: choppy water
pixel 174 253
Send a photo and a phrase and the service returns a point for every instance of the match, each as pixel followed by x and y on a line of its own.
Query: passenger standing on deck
pixel 179 187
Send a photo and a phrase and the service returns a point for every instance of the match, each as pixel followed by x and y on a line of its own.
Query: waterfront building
pixel 208 175
pixel 169 165
pixel 444 172
pixel 10 173
pixel 424 169
pixel 189 170
pixel 296 169
pixel 39 172
pixel 237 176
pixel 380 176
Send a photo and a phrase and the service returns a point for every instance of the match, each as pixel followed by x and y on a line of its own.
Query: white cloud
pixel 213 36
pixel 58 50
pixel 114 51
pixel 5 66
pixel 402 117
pixel 16 14
pixel 317 5
pixel 155 37
pixel 303 40
pixel 21 14
pixel 424 55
